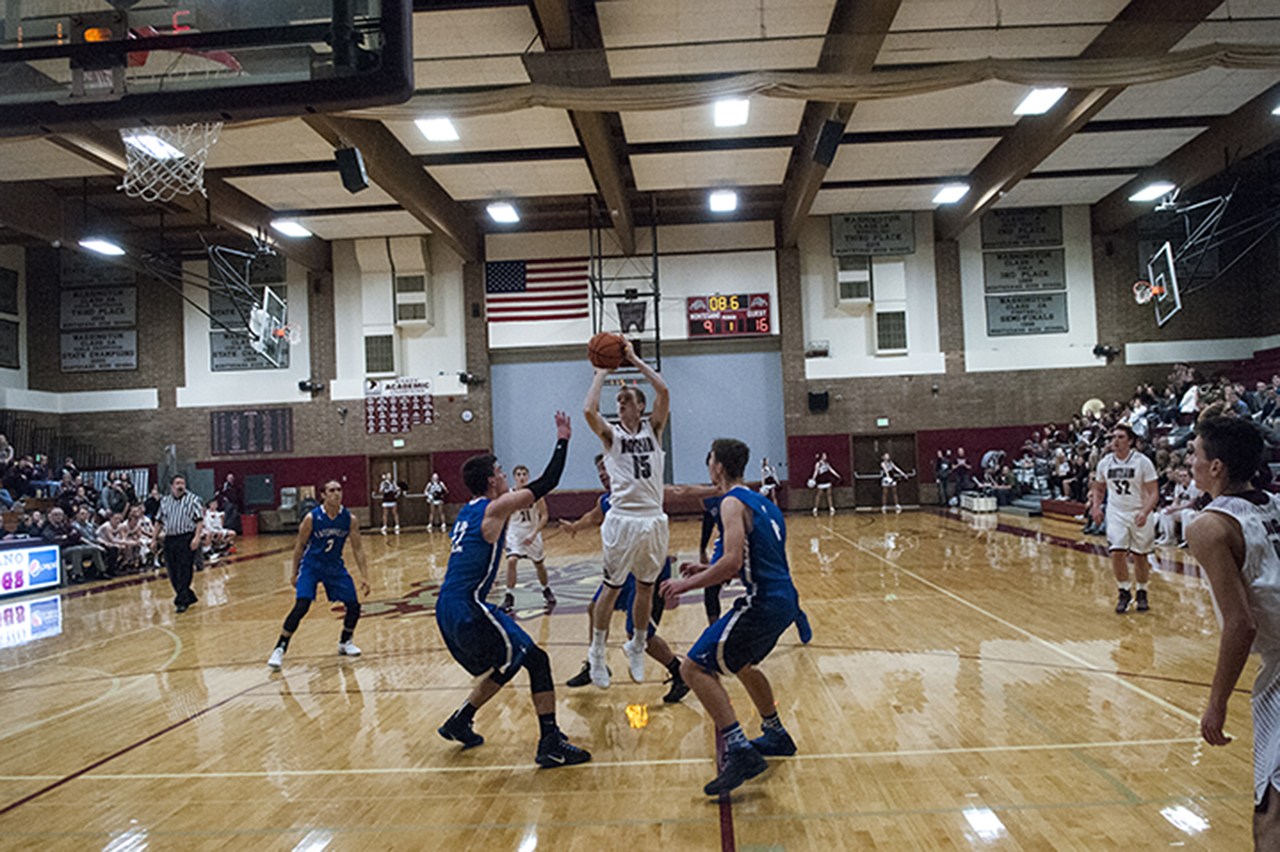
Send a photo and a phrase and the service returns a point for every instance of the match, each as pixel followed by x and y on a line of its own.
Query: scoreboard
pixel 733 315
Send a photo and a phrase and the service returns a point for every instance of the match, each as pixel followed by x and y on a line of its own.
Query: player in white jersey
pixel 524 541
pixel 1174 519
pixel 1127 480
pixel 1237 541
pixel 634 535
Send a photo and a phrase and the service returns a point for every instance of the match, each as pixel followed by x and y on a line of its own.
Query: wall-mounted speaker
pixel 828 141
pixel 351 168
pixel 819 401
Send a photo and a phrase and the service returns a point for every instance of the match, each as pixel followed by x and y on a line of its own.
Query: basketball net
pixel 164 162
pixel 1142 292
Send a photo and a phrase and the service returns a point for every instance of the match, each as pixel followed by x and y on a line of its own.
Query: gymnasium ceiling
pixel 1092 148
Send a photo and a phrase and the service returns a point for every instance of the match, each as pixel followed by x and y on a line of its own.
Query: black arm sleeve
pixel 545 484
pixel 708 525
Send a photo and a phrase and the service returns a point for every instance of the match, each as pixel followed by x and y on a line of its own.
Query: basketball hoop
pixel 1142 292
pixel 164 162
pixel 290 333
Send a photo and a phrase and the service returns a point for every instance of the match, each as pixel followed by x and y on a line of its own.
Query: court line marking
pixel 607 764
pixel 1052 646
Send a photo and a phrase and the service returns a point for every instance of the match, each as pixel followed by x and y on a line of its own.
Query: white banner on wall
pixel 1022 226
pixel 1023 270
pixel 80 269
pixel 873 234
pixel 99 351
pixel 1027 313
pixel 100 307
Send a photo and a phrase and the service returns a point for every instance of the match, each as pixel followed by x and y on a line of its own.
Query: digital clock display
pixel 732 315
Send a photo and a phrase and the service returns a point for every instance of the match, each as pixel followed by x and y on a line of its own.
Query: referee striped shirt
pixel 180 516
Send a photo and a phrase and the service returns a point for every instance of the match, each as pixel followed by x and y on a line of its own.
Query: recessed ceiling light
pixel 501 211
pixel 437 129
pixel 153 146
pixel 723 201
pixel 290 228
pixel 1152 191
pixel 1039 101
pixel 951 193
pixel 1276 111
pixel 101 246
pixel 732 112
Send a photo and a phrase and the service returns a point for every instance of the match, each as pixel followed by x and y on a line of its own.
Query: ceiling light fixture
pixel 723 201
pixel 1040 101
pixel 951 193
pixel 503 213
pixel 732 112
pixel 437 129
pixel 290 228
pixel 102 246
pixel 153 146
pixel 1152 191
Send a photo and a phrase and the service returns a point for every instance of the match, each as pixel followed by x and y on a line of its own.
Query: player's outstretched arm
pixel 362 566
pixel 1214 541
pixel 661 392
pixel 593 518
pixel 300 546
pixel 733 517
pixel 495 516
pixel 591 408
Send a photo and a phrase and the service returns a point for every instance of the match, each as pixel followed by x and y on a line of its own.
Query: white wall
pixel 437 352
pixel 15 257
pixel 203 387
pixel 1074 348
pixel 79 402
pixel 852 335
pixel 694 260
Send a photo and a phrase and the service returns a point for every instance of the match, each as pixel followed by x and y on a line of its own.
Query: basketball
pixel 606 350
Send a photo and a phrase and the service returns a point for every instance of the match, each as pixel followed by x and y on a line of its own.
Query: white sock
pixel 1142 587
pixel 598 639
pixel 546 587
pixel 511 590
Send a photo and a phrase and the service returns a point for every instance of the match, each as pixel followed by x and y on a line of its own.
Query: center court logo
pixel 574 585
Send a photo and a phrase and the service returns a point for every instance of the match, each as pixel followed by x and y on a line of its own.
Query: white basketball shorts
pixel 516 546
pixel 1123 532
pixel 633 544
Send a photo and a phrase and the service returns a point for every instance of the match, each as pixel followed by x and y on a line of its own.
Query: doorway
pixel 867 450
pixel 412 472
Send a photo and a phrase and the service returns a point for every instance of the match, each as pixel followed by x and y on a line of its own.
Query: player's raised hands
pixel 688 569
pixel 564 427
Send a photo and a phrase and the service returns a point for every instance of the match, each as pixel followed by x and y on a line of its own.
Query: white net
pixel 164 162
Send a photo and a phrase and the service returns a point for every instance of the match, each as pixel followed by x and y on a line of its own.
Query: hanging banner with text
pixel 873 234
pixel 1024 270
pixel 99 351
pixel 1027 313
pixel 100 307
pixel 1022 226
pixel 254 430
pixel 396 405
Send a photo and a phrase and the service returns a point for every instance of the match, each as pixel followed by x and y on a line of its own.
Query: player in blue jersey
pixel 656 646
pixel 482 638
pixel 755 549
pixel 317 558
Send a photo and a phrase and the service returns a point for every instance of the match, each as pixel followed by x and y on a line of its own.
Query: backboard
pixel 132 62
pixel 1164 282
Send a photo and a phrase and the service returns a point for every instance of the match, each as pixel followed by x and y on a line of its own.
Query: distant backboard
pixel 118 62
pixel 1164 282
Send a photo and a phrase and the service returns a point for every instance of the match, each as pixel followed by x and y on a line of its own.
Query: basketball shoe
pixel 635 659
pixel 774 742
pixel 739 765
pixel 596 665
pixel 348 649
pixel 1122 603
pixel 1141 604
pixel 458 731
pixel 276 660
pixel 556 750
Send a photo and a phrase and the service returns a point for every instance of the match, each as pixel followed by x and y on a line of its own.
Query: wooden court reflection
pixel 968 685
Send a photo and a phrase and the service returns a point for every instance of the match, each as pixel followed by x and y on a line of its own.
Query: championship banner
pixel 396 405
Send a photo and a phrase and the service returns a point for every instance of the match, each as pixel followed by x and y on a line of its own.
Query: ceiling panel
pixel 470 32
pixel 1240 28
pixel 651 22
pixel 355 225
pixel 949 14
pixel 530 128
pixel 1217 91
pixel 271 141
pixel 461 73
pixel 873 200
pixel 303 192
pixel 988 104
pixel 515 180
pixel 956 46
pixel 40 159
pixel 768 117
pixel 710 168
pixel 735 57
pixel 1056 191
pixel 908 159
pixel 1136 148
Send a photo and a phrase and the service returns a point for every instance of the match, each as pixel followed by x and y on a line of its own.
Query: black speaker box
pixel 819 401
pixel 351 167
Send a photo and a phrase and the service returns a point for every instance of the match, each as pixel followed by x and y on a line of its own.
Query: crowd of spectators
pixel 1058 460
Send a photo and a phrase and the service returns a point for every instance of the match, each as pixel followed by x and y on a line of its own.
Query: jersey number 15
pixel 641 466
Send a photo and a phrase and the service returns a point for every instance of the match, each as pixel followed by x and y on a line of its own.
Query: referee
pixel 179 520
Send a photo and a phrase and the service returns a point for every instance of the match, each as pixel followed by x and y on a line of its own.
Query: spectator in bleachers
pixel 1078 481
pixel 1172 520
pixel 6 499
pixel 17 480
pixel 1059 473
pixel 152 504
pixel 74 549
pixel 126 485
pixel 83 524
pixel 1003 485
pixel 216 539
pixel 69 469
pixel 6 451
pixel 139 536
pixel 942 475
pixel 961 472
pixel 113 498
pixel 31 526
pixel 111 537
pixel 231 502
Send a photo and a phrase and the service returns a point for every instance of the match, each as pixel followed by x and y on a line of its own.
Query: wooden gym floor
pixel 968 686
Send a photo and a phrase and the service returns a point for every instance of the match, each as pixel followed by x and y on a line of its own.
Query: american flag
pixel 532 290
